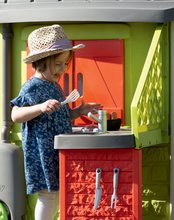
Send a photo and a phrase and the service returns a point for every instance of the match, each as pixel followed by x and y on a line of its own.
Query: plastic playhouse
pixel 127 66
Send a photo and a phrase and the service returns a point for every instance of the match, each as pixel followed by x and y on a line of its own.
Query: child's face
pixel 57 65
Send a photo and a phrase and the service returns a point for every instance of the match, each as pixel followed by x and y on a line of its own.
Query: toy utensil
pixel 98 191
pixel 115 184
pixel 73 96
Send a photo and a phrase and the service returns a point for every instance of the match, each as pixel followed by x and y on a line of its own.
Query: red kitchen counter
pixel 78 176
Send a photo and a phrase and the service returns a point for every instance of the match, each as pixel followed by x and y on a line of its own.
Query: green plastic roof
pixel 160 11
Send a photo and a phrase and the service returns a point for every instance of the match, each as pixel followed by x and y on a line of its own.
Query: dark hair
pixel 40 65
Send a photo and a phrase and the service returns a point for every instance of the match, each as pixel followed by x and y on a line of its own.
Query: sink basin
pixel 85 130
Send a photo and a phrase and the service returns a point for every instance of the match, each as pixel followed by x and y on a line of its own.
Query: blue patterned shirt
pixel 41 160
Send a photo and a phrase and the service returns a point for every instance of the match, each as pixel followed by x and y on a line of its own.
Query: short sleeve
pixel 24 100
pixel 28 95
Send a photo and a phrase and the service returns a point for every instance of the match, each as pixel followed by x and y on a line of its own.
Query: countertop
pixel 123 138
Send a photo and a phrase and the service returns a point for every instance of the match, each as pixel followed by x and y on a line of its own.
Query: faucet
pixel 102 120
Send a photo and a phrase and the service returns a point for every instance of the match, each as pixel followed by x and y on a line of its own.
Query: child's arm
pixel 26 113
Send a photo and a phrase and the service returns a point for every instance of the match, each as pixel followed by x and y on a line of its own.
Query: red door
pixel 99 73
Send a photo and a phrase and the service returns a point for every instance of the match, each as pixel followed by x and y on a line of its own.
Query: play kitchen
pixel 100 172
pixel 100 176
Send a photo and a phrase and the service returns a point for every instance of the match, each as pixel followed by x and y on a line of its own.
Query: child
pixel 39 110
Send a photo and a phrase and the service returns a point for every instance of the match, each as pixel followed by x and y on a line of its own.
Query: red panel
pixel 77 184
pixel 101 64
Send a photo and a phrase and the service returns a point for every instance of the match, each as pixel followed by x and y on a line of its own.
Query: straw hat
pixel 47 41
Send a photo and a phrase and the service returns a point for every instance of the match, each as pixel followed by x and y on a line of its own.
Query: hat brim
pixel 38 56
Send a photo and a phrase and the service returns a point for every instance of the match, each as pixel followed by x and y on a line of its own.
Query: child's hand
pixel 85 108
pixel 50 105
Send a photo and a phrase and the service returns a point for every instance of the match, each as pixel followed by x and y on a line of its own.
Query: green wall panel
pixel 156 183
